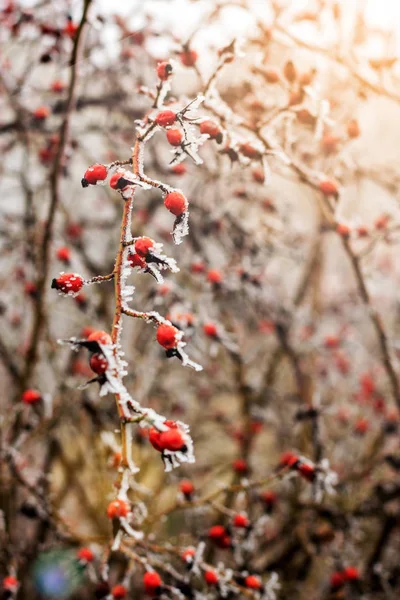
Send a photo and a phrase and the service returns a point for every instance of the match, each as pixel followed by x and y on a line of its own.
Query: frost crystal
pixel 181 228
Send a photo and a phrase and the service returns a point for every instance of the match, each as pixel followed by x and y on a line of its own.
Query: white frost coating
pixel 127 293
pixel 217 105
pixel 267 170
pixel 171 459
pixel 137 535
pixel 326 479
pixel 117 541
pixel 156 261
pixel 133 468
pixel 181 228
pixel 271 587
pixel 165 87
pixel 48 405
pixel 186 362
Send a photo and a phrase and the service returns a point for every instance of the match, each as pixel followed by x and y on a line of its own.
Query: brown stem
pixel 376 322
pixel 44 258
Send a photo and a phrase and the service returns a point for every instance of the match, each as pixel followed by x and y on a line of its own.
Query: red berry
pixel 337 580
pixel 68 283
pixel 212 129
pixel 86 331
pixel 186 487
pixel 171 440
pixel 74 230
pixel 188 554
pixel 64 254
pixel 85 554
pixel 258 175
pixel 41 113
pixel 307 471
pixel 353 129
pixel 117 508
pixel 143 245
pixel 253 582
pixel 118 181
pixel 70 29
pixel 94 174
pixel 10 583
pixel 269 498
pixel 249 151
pixel 176 203
pixel 136 261
pixel 328 187
pixel 361 426
pixel 101 337
pixel 211 577
pixel 57 86
pixel 331 341
pixel 343 230
pixel 240 466
pixel 288 459
pixel 151 581
pixel 179 169
pixel 214 276
pixel 30 288
pixel 165 118
pixel 329 143
pixel 154 438
pixel 216 532
pixel 382 221
pixel 31 396
pixel 175 137
pixel 351 574
pixel 271 75
pixel 210 329
pixel 189 58
pixel 119 591
pixel 241 520
pixel 164 70
pixel 266 326
pixel 167 336
pixel 289 71
pixel 98 363
pixel 368 385
pixel 197 267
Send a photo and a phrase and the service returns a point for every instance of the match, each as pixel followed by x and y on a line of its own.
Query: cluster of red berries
pixel 142 246
pixel 347 575
pixel 305 469
pixel 220 536
pixel 98 362
pixel 172 439
pixel 214 276
pixel 174 201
